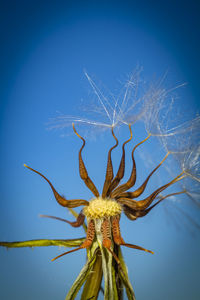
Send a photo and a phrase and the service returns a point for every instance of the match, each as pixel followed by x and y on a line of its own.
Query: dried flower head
pixel 103 237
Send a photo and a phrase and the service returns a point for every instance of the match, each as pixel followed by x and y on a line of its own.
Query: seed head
pixel 100 208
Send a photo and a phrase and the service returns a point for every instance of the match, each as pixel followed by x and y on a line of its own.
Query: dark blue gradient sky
pixel 45 47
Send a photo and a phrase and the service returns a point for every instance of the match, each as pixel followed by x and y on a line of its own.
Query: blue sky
pixel 45 48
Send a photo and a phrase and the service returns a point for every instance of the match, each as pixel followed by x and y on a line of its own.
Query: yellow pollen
pixel 99 208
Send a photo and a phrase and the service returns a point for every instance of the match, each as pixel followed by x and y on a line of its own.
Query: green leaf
pixel 81 277
pixel 93 283
pixel 105 274
pixel 117 288
pixel 43 243
pixel 112 280
pixel 124 277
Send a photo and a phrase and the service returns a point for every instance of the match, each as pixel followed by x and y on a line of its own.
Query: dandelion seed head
pixel 108 111
pixel 154 106
pixel 185 148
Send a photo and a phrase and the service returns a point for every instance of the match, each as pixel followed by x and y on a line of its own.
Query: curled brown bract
pixel 82 169
pixel 145 203
pixel 109 169
pixel 61 200
pixel 121 170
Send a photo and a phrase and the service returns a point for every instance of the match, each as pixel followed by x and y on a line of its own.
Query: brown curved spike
pixel 86 244
pixel 118 238
pixel 106 236
pixel 82 169
pixel 109 169
pixel 132 214
pixel 137 247
pixel 143 204
pixel 141 189
pixel 120 172
pixel 79 221
pixel 112 252
pixel 116 230
pixel 61 200
pixel 73 250
pixel 145 212
pixel 130 183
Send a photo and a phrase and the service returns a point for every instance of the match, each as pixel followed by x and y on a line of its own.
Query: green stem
pixel 93 283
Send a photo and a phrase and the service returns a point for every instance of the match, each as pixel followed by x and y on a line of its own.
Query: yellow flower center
pixel 99 208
